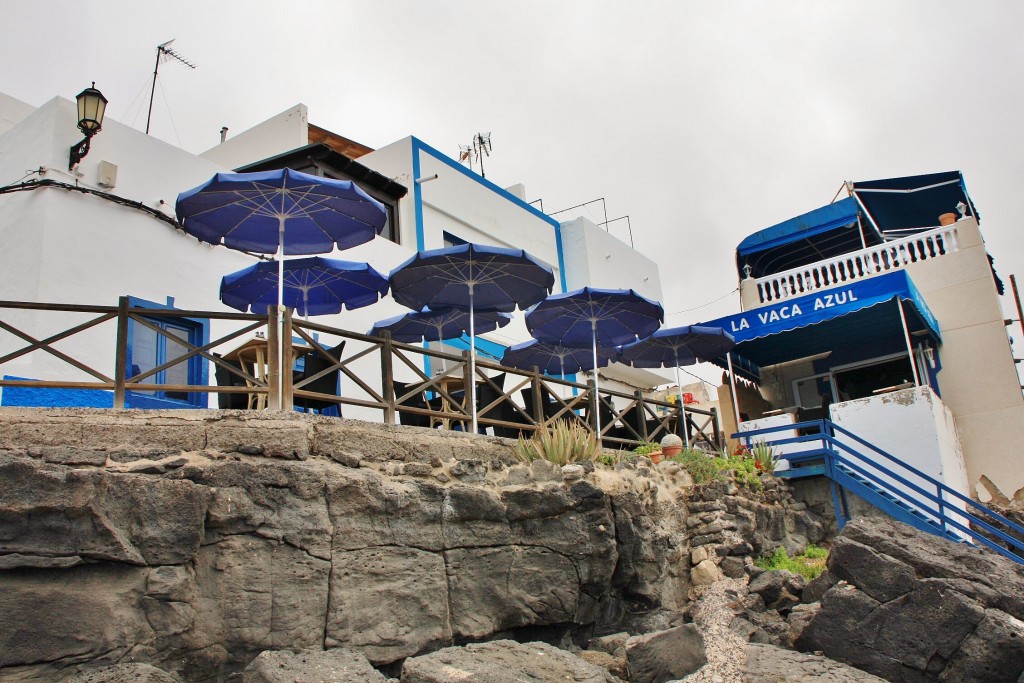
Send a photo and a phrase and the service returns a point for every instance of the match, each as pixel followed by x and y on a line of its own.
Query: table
pixel 255 351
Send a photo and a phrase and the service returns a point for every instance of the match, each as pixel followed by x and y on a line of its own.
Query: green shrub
pixel 702 468
pixel 646 448
pixel 561 444
pixel 810 563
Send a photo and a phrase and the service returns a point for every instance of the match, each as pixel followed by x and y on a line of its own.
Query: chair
pixel 504 411
pixel 226 378
pixel 417 400
pixel 329 383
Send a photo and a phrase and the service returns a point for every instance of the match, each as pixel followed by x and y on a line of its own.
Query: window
pixel 390 231
pixel 149 348
pixel 451 240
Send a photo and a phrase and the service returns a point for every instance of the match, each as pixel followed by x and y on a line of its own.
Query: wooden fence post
pixel 387 376
pixel 273 360
pixel 287 356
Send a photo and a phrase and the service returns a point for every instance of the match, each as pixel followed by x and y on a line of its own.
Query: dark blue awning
pixel 914 203
pixel 860 315
pixel 820 234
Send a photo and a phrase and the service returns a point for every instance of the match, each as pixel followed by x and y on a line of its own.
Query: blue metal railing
pixel 898 489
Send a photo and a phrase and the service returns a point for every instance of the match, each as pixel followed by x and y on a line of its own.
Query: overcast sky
pixel 701 121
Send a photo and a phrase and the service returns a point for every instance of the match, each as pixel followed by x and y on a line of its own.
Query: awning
pixel 906 205
pixel 820 234
pixel 862 315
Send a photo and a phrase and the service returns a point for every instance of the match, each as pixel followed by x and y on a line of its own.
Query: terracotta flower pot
pixel 947 219
pixel 671 451
pixel 655 456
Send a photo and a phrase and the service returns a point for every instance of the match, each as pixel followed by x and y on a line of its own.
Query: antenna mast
pixel 476 151
pixel 163 53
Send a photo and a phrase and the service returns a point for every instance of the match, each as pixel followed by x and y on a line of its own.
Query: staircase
pixel 853 465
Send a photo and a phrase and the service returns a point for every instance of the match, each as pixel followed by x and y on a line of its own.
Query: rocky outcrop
pixel 332 666
pixel 502 661
pixel 196 540
pixel 913 607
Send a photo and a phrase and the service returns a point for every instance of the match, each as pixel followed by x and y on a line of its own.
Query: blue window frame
pixel 148 349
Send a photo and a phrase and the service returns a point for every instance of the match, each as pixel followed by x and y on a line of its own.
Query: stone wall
pixel 194 540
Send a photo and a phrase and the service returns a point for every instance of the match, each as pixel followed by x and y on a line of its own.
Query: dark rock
pixel 611 644
pixel 733 567
pixel 994 653
pixel 798 619
pixel 56 512
pixel 771 585
pixel 502 661
pixel 929 628
pixel 347 459
pixel 770 664
pixel 880 576
pixel 817 587
pixel 470 471
pixel 774 628
pixel 665 655
pixel 330 666
pixel 125 673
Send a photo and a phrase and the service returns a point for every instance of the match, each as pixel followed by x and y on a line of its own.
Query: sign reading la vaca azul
pixel 794 310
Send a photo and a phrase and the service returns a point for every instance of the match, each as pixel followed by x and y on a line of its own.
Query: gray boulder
pixel 665 655
pixel 125 673
pixel 502 661
pixel 770 664
pixel 331 666
pixel 915 607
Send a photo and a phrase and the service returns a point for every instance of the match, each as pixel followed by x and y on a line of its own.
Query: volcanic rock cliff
pixel 196 540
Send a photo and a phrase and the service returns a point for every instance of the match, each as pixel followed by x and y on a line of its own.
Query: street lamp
pixel 91 106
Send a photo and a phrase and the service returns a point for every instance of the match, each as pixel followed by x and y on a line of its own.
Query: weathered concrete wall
pixel 196 540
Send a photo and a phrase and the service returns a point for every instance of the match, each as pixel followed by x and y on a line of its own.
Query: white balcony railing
pixel 858 265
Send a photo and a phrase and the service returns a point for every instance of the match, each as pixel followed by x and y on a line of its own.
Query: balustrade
pixel 857 265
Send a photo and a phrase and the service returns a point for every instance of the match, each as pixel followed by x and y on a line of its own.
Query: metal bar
pixel 910 347
pixel 121 352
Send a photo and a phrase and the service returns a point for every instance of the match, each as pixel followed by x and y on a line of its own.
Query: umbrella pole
pixel 597 389
pixel 682 407
pixel 280 317
pixel 472 360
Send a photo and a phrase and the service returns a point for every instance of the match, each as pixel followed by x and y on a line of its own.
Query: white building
pixel 881 312
pixel 106 230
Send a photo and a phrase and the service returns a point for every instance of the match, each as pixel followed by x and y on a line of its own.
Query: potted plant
pixel 651 450
pixel 671 445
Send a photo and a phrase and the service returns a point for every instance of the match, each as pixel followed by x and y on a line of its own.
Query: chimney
pixel 223 134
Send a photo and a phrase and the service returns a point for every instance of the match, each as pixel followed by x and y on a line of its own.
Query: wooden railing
pixel 857 265
pixel 368 368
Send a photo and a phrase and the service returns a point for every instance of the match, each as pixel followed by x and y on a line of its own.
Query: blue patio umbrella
pixel 554 358
pixel 281 212
pixel 591 316
pixel 677 346
pixel 312 286
pixel 444 323
pixel 471 277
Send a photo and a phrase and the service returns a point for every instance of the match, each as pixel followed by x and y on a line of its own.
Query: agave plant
pixel 765 456
pixel 561 444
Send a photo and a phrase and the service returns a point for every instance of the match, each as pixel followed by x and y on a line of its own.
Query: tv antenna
pixel 163 53
pixel 476 151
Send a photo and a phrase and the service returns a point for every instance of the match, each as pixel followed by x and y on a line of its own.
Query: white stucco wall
pixel 66 247
pixel 279 134
pixel 594 257
pixel 12 111
pixel 912 425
